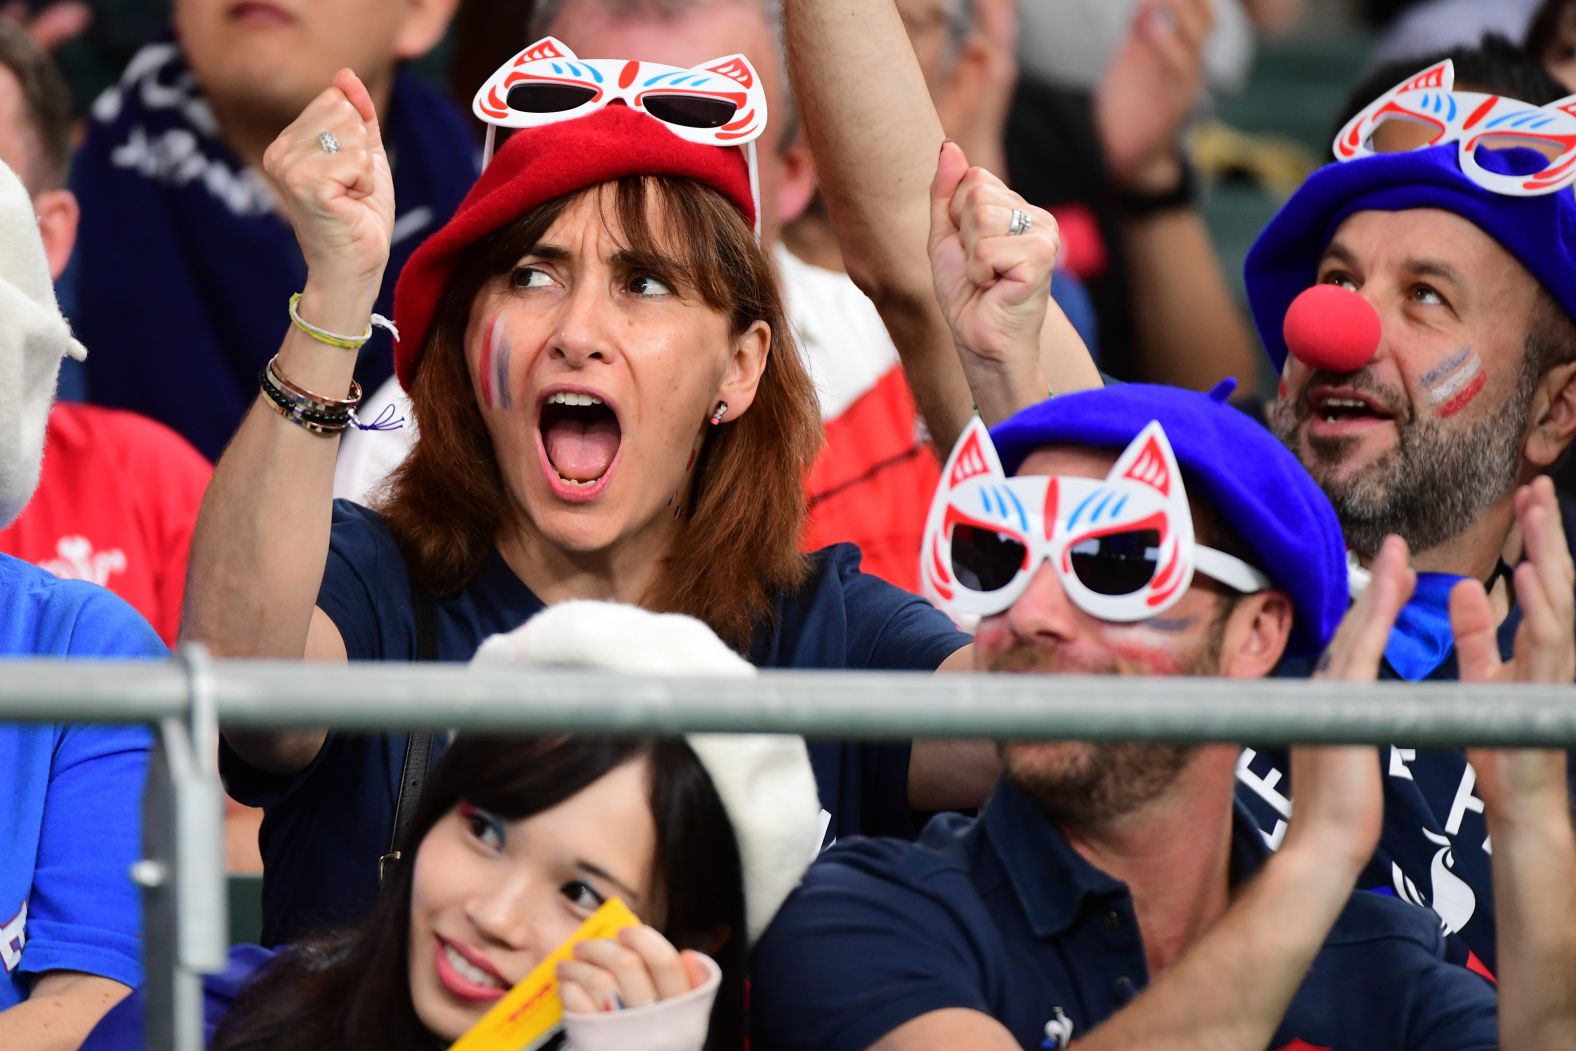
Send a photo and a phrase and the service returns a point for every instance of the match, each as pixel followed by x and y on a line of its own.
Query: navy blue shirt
pixel 1000 915
pixel 1434 848
pixel 325 827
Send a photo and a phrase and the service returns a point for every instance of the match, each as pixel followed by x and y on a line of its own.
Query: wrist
pixel 1170 187
pixel 1003 388
pixel 336 306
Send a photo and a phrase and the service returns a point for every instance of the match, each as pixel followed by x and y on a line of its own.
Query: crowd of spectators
pixel 703 336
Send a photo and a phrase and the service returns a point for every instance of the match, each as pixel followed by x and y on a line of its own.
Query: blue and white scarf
pixel 183 267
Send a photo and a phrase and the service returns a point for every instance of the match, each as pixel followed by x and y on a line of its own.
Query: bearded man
pixel 1421 397
pixel 1116 887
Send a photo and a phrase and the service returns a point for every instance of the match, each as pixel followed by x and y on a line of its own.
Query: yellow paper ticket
pixel 531 1014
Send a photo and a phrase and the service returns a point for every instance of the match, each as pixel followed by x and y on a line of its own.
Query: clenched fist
pixel 332 177
pixel 994 284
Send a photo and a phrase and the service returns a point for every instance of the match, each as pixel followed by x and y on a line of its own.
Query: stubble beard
pixel 1090 784
pixel 1431 486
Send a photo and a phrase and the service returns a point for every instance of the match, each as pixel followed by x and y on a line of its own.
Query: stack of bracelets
pixel 301 407
pixel 315 412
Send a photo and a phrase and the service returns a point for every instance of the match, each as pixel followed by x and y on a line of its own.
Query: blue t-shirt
pixel 1434 848
pixel 124 1028
pixel 325 827
pixel 1000 915
pixel 71 826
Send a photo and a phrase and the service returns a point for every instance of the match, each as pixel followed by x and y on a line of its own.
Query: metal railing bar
pixel 369 697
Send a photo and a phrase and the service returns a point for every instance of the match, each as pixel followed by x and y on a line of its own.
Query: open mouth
pixel 581 437
pixel 1346 407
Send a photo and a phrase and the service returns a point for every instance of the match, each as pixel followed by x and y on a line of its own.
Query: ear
pixel 1255 635
pixel 57 226
pixel 425 23
pixel 745 368
pixel 1553 417
pixel 797 189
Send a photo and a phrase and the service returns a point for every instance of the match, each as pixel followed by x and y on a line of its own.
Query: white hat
pixel 33 338
pixel 764 780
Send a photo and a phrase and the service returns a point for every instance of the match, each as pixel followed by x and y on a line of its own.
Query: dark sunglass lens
pixel 690 111
pixel 1119 563
pixel 984 560
pixel 548 98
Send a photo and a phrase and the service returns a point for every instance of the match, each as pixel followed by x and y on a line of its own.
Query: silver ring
pixel 329 143
pixel 1021 221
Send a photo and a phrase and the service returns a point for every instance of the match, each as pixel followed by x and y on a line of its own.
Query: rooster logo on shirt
pixel 1058 1031
pixel 1452 899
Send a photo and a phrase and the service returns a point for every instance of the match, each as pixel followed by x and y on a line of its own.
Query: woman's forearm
pixel 261 540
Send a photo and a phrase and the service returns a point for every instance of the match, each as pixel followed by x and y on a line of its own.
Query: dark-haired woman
pixel 515 843
pixel 610 406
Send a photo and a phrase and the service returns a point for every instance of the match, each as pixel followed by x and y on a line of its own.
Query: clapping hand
pixel 1339 805
pixel 1150 90
pixel 1523 780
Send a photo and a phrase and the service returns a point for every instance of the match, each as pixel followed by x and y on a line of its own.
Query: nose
pixel 506 911
pixel 1332 329
pixel 582 337
pixel 1043 612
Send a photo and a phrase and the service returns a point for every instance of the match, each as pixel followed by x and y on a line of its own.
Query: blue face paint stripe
pixel 1079 510
pixel 1023 517
pixel 1444 368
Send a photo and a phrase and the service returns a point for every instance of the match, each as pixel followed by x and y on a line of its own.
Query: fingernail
pixel 947 142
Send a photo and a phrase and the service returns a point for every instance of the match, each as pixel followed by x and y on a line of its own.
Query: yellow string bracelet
pixel 334 339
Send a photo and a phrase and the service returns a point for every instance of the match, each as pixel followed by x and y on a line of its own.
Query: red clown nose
pixel 1331 329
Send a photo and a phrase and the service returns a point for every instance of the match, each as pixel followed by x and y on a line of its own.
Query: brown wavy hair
pixel 739 544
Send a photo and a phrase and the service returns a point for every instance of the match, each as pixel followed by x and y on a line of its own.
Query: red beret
pixel 541 164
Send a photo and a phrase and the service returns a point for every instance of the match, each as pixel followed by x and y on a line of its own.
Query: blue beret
pixel 1233 465
pixel 1539 231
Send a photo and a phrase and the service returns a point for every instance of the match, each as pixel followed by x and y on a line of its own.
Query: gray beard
pixel 1434 484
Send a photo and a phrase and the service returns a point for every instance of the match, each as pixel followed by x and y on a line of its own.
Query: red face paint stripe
pixel 1481 112
pixel 1462 400
pixel 485 367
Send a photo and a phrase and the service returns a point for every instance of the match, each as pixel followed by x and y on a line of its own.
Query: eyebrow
pixel 1432 268
pixel 603 874
pixel 1415 266
pixel 1340 253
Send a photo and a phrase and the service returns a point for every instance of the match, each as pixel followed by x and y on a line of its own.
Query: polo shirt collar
pixel 1052 881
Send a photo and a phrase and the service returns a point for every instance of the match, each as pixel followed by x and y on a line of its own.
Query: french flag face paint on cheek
pixel 1455 382
pixel 494 367
pixel 503 352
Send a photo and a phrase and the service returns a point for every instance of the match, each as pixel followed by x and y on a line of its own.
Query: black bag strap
pixel 418 745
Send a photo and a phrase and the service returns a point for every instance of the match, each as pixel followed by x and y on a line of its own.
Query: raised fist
pixel 991 254
pixel 332 176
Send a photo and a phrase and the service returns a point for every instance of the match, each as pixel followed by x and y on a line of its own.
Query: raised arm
pixel 876 152
pixel 1525 792
pixel 1189 329
pixel 262 536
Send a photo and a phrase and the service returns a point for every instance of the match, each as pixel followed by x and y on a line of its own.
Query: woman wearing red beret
pixel 610 405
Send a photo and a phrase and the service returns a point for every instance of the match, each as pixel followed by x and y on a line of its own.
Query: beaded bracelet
pixel 334 339
pixel 302 417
